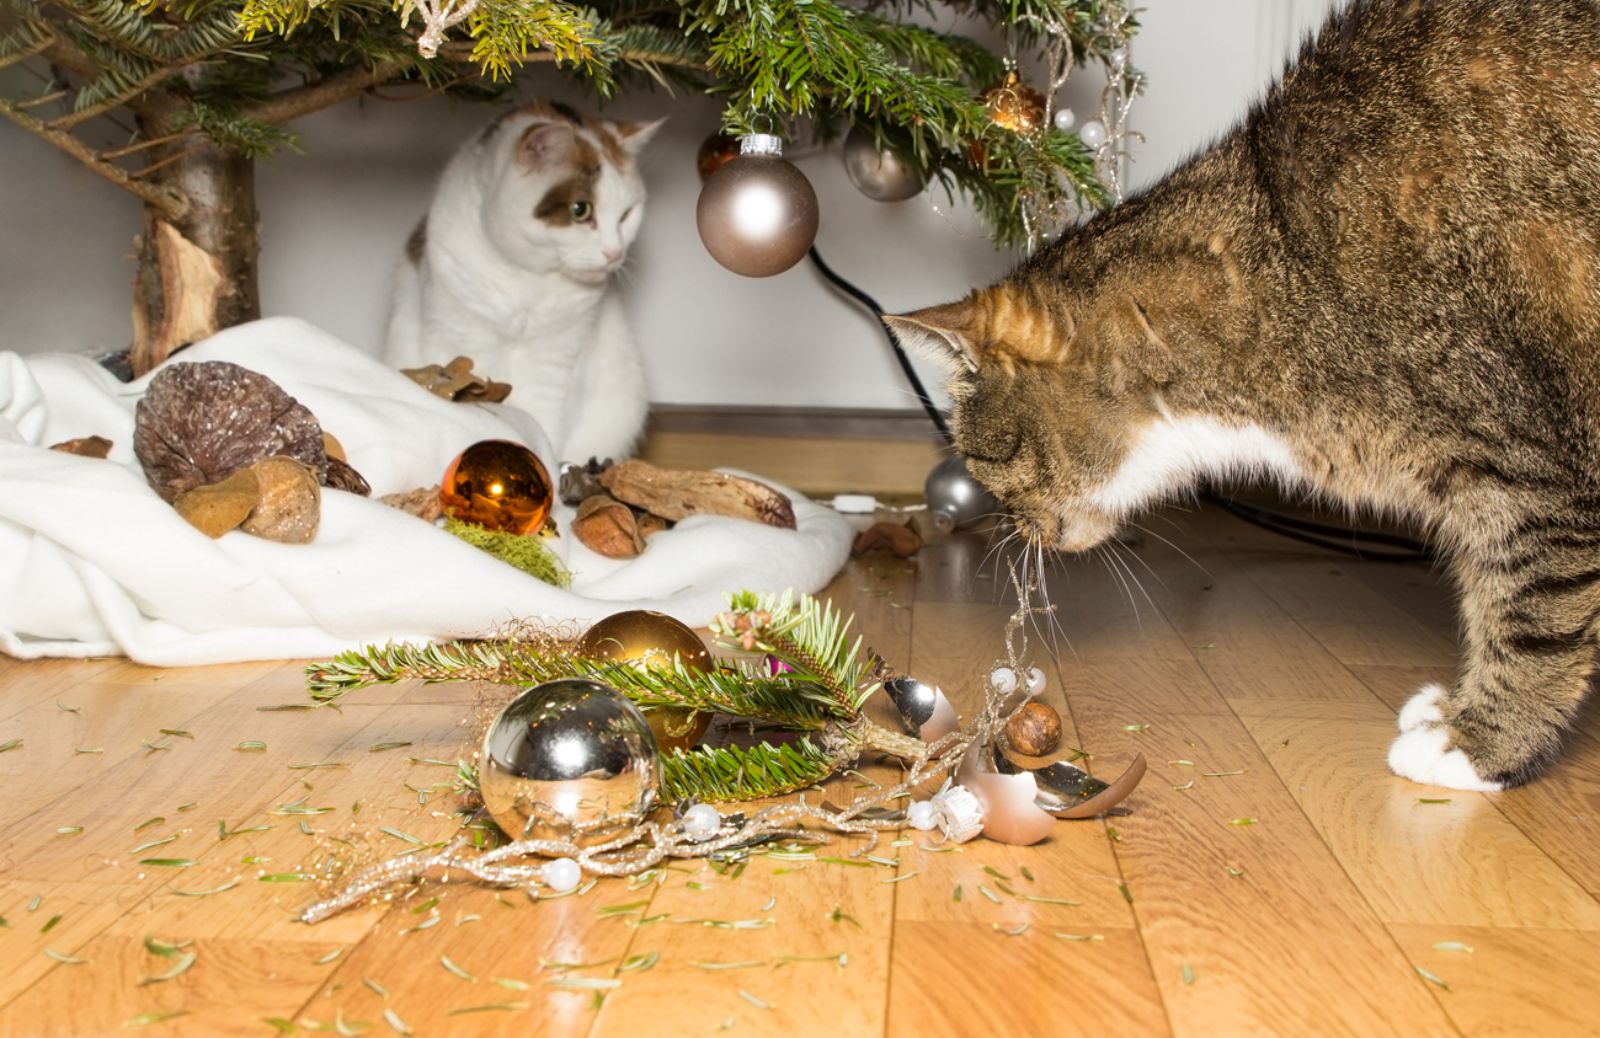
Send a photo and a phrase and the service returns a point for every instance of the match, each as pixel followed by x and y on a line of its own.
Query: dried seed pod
pixel 423 502
pixel 342 477
pixel 607 527
pixel 199 423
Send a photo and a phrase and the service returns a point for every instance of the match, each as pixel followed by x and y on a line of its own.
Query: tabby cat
pixel 1384 287
pixel 512 266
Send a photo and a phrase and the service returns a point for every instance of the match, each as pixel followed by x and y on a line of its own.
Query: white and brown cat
pixel 512 267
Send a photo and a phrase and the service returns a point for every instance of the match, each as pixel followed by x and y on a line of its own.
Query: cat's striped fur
pixel 1384 286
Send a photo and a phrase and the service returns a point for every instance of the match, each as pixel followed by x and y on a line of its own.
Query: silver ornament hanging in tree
pixel 757 215
pixel 569 759
pixel 955 499
pixel 881 175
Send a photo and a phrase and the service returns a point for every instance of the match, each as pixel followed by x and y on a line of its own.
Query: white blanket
pixel 93 563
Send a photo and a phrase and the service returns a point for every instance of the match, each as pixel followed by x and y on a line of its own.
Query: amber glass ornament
pixel 498 485
pixel 1014 105
pixel 715 152
pixel 646 638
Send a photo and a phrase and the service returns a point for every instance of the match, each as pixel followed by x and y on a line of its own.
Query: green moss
pixel 526 553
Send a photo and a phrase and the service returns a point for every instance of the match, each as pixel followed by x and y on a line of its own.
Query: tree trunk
pixel 197 274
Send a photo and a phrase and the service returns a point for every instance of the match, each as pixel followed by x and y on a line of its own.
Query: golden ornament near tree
pixel 1014 105
pixel 652 640
pixel 498 485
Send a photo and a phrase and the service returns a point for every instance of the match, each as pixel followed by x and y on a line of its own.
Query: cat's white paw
pixel 1422 708
pixel 1421 756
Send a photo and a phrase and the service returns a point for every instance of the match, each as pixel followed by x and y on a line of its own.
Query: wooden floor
pixel 1351 903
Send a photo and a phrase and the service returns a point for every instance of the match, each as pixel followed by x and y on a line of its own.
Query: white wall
pixel 335 217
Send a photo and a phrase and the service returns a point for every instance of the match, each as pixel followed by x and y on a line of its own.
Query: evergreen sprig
pixel 728 774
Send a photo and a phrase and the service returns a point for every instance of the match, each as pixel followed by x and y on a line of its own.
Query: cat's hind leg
pixel 1530 614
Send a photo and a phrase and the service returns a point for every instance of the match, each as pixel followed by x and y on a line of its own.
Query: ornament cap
pixel 761 144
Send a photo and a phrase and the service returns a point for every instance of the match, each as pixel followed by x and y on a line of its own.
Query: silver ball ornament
pixel 955 499
pixel 1093 133
pixel 880 175
pixel 757 214
pixel 1064 119
pixel 568 760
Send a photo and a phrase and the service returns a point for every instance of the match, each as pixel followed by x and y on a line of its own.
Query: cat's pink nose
pixel 612 256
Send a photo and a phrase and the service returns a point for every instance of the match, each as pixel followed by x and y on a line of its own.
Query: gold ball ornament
pixel 569 760
pixel 652 640
pixel 1014 105
pixel 498 485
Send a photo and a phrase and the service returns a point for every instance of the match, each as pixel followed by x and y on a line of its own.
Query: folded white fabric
pixel 93 563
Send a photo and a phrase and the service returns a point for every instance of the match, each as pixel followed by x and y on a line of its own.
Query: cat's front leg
pixel 609 400
pixel 1529 616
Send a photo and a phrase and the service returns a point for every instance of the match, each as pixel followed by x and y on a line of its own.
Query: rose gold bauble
pixel 498 485
pixel 653 640
pixel 757 215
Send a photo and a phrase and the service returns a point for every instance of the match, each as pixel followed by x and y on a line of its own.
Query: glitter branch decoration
pixel 821 695
pixel 802 627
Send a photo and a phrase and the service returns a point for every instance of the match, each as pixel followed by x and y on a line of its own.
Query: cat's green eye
pixel 581 211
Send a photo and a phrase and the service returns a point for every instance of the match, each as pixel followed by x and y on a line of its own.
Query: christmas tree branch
pixel 730 774
pixel 169 203
pixel 325 92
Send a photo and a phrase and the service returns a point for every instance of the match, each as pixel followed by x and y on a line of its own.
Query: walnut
pixel 201 422
pixel 1036 730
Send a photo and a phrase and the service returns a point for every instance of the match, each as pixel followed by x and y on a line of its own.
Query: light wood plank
pixel 1415 862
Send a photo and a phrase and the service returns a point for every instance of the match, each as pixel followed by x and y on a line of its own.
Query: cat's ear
pixel 543 145
pixel 945 334
pixel 635 136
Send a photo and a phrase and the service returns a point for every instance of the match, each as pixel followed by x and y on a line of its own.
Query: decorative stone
pixel 289 506
pixel 1035 730
pixel 220 507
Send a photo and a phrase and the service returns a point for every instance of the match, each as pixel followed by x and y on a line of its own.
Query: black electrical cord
pixel 1322 535
pixel 894 341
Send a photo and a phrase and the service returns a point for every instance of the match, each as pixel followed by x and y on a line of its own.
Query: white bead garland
pixel 1064 119
pixel 1004 680
pixel 561 875
pixel 702 822
pixel 922 815
pixel 1093 133
pixel 1035 681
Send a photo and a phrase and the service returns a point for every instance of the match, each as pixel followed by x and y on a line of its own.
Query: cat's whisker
pixel 1128 552
pixel 1107 561
pixel 1174 547
pixel 1122 553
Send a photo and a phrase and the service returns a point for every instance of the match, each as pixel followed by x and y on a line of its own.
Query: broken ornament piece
pixel 924 709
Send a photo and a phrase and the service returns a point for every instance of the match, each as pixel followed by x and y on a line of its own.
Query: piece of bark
pixel 423 502
pixel 903 540
pixel 607 527
pixel 85 447
pixel 220 507
pixel 290 503
pixel 679 493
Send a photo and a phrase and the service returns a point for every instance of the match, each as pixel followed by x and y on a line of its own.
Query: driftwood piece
pixel 679 493
pixel 608 527
pixel 192 283
pixel 423 502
